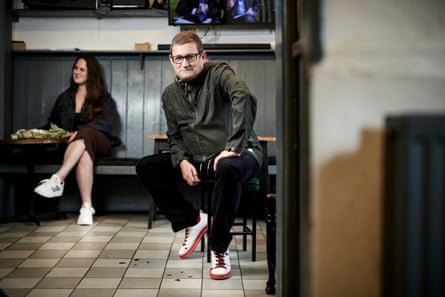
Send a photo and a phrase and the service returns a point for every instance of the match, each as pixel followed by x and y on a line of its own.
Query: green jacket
pixel 217 113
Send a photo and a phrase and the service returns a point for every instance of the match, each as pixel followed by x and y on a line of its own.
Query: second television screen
pixel 221 12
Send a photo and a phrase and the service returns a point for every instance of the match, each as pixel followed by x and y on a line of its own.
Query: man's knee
pixel 242 166
pixel 227 166
pixel 141 166
pixel 147 164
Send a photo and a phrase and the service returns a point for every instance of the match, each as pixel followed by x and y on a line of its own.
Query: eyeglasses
pixel 190 58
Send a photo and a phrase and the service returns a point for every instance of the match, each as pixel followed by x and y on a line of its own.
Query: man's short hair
pixel 187 37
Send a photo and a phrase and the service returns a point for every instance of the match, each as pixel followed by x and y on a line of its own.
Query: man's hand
pixel 189 173
pixel 222 155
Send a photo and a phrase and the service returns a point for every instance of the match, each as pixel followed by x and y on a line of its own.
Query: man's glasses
pixel 190 58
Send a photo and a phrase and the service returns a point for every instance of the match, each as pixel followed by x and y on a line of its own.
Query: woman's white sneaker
pixel 220 265
pixel 86 216
pixel 50 188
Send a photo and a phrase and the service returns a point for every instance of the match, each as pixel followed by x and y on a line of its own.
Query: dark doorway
pixel 297 47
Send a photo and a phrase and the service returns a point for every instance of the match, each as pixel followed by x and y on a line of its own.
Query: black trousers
pixel 158 175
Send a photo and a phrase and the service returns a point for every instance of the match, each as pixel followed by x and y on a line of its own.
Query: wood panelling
pixel 136 82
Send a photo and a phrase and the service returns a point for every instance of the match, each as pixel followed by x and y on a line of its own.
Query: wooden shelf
pixel 65 52
pixel 59 13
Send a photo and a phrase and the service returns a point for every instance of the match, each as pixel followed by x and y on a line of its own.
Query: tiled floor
pixel 118 256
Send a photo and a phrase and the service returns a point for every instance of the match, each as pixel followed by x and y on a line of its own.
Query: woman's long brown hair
pixel 96 86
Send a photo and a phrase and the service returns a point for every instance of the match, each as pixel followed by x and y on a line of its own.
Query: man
pixel 210 115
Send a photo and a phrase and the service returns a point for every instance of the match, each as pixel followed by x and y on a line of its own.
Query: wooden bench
pixel 123 166
pixel 29 164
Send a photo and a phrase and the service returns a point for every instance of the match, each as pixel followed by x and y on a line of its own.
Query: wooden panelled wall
pixel 135 81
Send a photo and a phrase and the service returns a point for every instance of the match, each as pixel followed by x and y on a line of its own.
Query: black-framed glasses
pixel 190 58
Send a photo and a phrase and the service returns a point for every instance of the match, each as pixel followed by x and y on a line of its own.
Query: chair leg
pixel 203 243
pixel 245 230
pixel 252 199
pixel 208 194
pixel 270 243
pixel 254 236
pixel 151 212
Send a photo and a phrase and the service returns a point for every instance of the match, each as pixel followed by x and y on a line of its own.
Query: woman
pixel 86 108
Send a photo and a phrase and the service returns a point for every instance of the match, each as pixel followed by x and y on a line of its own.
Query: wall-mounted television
pixel 221 12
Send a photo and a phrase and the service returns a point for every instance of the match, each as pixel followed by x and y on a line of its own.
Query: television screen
pixel 221 12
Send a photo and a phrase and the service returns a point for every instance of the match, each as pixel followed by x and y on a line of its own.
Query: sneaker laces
pixel 220 263
pixel 56 178
pixel 187 232
pixel 44 181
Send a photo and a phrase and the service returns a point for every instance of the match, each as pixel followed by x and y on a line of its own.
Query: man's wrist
pixel 182 161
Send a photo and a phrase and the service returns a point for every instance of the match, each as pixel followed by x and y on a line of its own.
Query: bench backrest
pixel 135 81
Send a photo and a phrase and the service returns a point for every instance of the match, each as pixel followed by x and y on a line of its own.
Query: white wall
pixel 118 33
pixel 380 58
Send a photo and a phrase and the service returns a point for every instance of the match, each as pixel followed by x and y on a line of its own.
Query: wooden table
pixel 21 156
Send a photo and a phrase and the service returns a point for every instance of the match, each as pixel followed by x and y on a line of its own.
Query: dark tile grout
pixel 113 228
